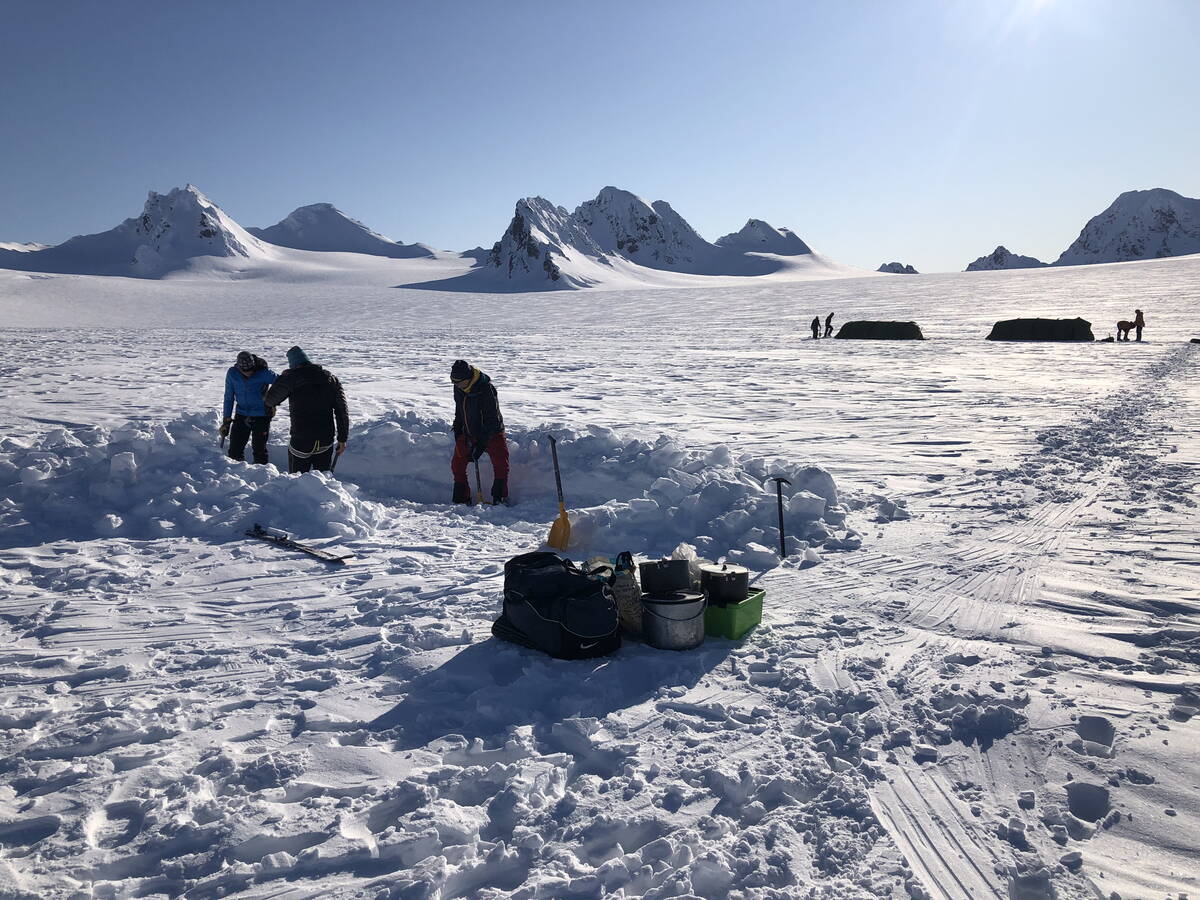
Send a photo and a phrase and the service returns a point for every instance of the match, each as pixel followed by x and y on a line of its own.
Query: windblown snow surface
pixel 978 673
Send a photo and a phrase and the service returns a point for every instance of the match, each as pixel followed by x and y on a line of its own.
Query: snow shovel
pixel 560 530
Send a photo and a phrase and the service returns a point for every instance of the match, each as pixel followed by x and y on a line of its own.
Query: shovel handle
pixel 557 476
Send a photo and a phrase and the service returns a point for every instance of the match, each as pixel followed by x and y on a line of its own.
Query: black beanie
pixel 460 370
pixel 245 360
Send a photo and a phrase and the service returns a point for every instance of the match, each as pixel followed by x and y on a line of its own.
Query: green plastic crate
pixel 735 620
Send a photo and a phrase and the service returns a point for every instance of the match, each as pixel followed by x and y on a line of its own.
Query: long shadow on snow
pixel 492 686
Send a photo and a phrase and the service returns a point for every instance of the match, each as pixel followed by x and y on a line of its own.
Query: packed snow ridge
pixel 896 268
pixel 1003 258
pixel 1138 225
pixel 173 229
pixel 547 246
pixel 325 228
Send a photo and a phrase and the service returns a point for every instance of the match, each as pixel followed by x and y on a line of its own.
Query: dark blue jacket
pixel 247 390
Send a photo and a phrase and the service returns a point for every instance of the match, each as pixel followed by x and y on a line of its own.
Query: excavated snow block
pixel 806 505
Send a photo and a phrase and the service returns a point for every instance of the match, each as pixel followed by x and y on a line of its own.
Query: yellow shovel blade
pixel 560 530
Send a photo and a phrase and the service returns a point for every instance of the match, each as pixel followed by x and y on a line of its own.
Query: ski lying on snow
pixel 283 539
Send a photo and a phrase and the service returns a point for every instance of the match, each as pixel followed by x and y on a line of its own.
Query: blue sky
pixel 926 131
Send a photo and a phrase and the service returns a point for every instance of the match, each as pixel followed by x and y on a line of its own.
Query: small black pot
pixel 725 584
pixel 662 576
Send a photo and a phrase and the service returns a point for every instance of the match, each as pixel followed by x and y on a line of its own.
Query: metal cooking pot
pixel 725 584
pixel 661 576
pixel 673 621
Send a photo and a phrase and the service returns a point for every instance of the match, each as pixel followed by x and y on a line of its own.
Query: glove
pixel 270 412
pixel 223 431
pixel 477 450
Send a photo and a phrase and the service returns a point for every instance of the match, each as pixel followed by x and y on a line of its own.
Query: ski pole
pixel 780 481
pixel 336 457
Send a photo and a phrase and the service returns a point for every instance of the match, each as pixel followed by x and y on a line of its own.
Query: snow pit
pixel 1089 802
pixel 1096 729
pixel 403 456
pixel 624 493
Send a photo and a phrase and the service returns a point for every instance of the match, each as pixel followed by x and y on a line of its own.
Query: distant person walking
pixel 1139 322
pixel 245 384
pixel 317 405
pixel 478 429
pixel 816 327
pixel 829 325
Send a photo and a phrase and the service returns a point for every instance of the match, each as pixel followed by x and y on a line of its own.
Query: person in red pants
pixel 478 429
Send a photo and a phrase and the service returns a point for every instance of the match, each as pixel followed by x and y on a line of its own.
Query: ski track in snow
pixel 184 713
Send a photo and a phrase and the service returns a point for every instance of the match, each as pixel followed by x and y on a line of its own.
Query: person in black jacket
pixel 478 429
pixel 317 405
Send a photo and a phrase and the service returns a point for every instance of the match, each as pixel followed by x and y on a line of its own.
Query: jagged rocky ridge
pixel 620 226
pixel 1003 258
pixel 896 268
pixel 325 228
pixel 1138 225
pixel 173 229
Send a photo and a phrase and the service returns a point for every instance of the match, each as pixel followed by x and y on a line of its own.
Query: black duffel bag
pixel 551 606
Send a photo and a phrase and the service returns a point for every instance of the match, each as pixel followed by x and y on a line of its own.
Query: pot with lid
pixel 673 620
pixel 725 584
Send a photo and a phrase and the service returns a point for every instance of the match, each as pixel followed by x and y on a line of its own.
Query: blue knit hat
pixel 297 358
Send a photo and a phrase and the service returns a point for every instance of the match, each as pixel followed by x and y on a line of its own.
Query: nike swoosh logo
pixel 588 646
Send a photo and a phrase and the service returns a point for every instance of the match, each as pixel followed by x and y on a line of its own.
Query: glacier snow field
pixel 987 685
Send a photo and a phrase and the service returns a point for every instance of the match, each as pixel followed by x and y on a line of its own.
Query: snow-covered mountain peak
pixel 1138 225
pixel 540 237
pixel 1003 258
pixel 545 246
pixel 323 227
pixel 184 223
pixel 173 229
pixel 650 234
pixel 757 236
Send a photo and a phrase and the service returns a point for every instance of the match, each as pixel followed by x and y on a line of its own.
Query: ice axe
pixel 479 501
pixel 780 481
pixel 560 529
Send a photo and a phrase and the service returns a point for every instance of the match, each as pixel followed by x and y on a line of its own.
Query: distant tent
pixel 881 331
pixel 1042 330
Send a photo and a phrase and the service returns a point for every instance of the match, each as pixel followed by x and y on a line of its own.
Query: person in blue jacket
pixel 246 382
